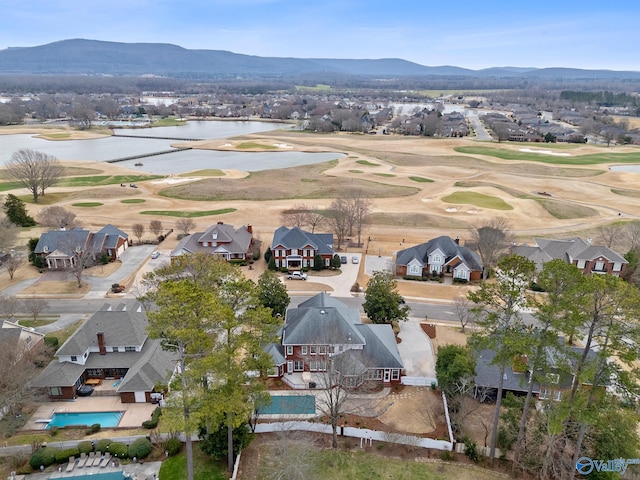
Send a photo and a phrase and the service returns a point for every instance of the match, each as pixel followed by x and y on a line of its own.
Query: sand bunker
pixel 174 180
pixel 451 210
pixel 545 152
pixel 282 145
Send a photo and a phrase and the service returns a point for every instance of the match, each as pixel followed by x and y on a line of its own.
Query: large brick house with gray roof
pixel 294 249
pixel 112 345
pixel 596 259
pixel 220 239
pixel 60 247
pixel 323 328
pixel 442 255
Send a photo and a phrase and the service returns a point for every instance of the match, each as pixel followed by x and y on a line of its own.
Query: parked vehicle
pixel 155 254
pixel 84 391
pixel 297 275
pixel 117 288
pixel 343 259
pixel 355 259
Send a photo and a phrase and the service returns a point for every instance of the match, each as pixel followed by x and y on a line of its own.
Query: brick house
pixel 295 249
pixel 220 239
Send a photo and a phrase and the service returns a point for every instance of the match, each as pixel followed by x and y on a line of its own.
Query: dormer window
pixel 78 248
pixel 45 249
pixel 214 235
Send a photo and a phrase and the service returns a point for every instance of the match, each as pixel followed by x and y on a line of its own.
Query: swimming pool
pixel 97 476
pixel 105 419
pixel 290 405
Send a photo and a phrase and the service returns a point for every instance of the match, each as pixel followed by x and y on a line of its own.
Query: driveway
pixel 416 351
pixel 342 283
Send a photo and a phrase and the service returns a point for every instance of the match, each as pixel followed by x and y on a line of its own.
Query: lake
pixel 625 168
pixel 109 148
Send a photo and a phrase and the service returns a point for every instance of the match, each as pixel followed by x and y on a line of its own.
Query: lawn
pixel 168 122
pixel 478 199
pixel 204 467
pixel 133 200
pixel 87 204
pixel 591 159
pixel 385 174
pixel 367 163
pixel 421 179
pixel 208 172
pixel 177 213
pixel 97 180
pixel 254 145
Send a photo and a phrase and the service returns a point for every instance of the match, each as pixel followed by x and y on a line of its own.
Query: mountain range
pixel 93 57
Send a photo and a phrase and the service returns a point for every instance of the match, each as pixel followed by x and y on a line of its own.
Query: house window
pixel 314 350
pixel 272 371
pixel 395 374
pixel 436 259
pixel 322 350
pixel 332 348
pixel 313 366
pixel 580 264
pixel 85 354
pixel 554 378
pixel 303 350
pixel 557 395
pixel 94 372
pixel 298 366
pixel 617 267
pixel 114 349
pixel 129 349
pixel 289 349
pixel 414 270
pixel 74 358
pixel 545 394
pixel 55 391
pixel 599 266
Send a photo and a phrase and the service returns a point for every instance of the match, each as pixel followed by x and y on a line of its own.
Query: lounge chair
pixel 105 460
pixel 82 461
pixel 97 459
pixel 90 458
pixel 72 463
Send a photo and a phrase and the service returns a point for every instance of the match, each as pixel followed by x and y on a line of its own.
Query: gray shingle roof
pixel 154 365
pixel 596 251
pixel 64 241
pixel 297 238
pixel 444 243
pixel 230 239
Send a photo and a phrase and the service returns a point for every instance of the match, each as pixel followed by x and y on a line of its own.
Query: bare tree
pixel 18 357
pixel 34 306
pixel 492 239
pixel 632 234
pixel 291 456
pixel 359 208
pixel 296 216
pixel 8 234
pixel 9 306
pixel 35 170
pixel 315 220
pixel 59 217
pixel 156 227
pixel 138 231
pixel 463 306
pixel 185 225
pixel 339 220
pixel 610 234
pixel 82 259
pixel 12 263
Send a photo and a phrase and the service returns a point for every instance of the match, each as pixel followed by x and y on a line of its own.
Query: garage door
pixel 140 397
pixel 122 248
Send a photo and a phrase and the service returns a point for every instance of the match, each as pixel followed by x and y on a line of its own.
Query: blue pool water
pixel 105 419
pixel 99 476
pixel 291 405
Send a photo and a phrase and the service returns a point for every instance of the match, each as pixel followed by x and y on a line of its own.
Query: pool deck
pixel 139 471
pixel 134 413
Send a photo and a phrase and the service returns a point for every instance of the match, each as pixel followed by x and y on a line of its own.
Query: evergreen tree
pixel 17 212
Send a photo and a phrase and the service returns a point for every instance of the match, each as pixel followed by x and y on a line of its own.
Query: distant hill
pixel 92 57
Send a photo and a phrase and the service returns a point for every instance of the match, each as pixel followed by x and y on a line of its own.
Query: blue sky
pixel 466 33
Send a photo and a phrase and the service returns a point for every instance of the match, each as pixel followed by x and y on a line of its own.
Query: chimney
pixel 220 223
pixel 249 228
pixel 457 240
pixel 103 349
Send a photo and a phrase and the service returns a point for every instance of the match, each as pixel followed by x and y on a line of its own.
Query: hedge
pixel 45 456
pixel 62 456
pixel 102 444
pixel 173 446
pixel 118 449
pixel 155 417
pixel 140 448
pixel 85 447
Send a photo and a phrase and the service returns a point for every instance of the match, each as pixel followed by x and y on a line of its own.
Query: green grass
pixel 87 204
pixel 591 159
pixel 385 174
pixel 478 199
pixel 168 122
pixel 133 200
pixel 356 171
pixel 250 145
pixel 208 172
pixel 367 163
pixel 98 180
pixel 48 199
pixel 5 186
pixel 318 88
pixel 176 213
pixel 421 179
pixel 626 193
pixel 204 467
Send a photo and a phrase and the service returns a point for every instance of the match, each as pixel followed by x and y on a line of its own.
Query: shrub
pixel 95 428
pixel 355 287
pixel 118 449
pixel 51 342
pixel 460 280
pixel 173 446
pixel 102 444
pixel 471 449
pixel 412 277
pixel 140 448
pixel 85 447
pixel 45 456
pixel 256 255
pixel 447 456
pixel 62 456
pixel 155 417
pixel 24 470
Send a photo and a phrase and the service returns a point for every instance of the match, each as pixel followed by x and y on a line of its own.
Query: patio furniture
pixel 83 460
pixel 105 460
pixel 72 463
pixel 90 459
pixel 97 459
pixel 93 382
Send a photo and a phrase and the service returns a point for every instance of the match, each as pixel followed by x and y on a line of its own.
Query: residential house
pixel 111 346
pixel 596 259
pixel 324 333
pixel 294 249
pixel 60 248
pixel 26 339
pixel 220 239
pixel 442 255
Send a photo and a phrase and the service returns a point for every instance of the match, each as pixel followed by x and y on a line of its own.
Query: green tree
pixel 272 264
pixel 454 365
pixel 336 262
pixel 216 442
pixel 382 302
pixel 185 321
pixel 272 293
pixel 318 263
pixel 498 306
pixel 16 212
pixel 268 254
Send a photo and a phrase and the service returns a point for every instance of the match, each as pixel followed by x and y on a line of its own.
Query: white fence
pixel 419 381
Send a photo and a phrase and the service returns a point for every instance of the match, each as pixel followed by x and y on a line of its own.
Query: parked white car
pixel 297 275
